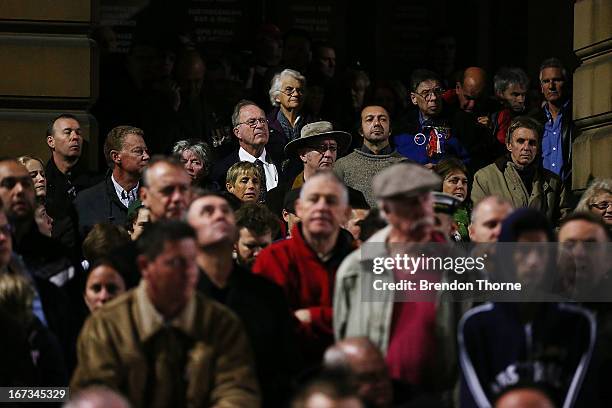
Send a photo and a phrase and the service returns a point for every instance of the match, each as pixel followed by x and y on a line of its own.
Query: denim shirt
pixel 552 142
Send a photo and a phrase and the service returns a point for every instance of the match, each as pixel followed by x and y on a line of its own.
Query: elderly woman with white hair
pixel 287 118
pixel 598 200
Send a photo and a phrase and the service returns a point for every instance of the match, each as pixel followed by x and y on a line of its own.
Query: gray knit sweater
pixel 357 169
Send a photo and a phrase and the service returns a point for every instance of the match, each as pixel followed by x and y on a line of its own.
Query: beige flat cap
pixel 407 179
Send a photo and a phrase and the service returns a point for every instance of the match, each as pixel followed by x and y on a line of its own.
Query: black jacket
pixel 99 204
pixel 263 309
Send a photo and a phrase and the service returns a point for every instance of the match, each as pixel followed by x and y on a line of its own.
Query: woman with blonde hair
pixel 598 200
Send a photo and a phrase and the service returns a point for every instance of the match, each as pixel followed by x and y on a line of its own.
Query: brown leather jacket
pixel 124 346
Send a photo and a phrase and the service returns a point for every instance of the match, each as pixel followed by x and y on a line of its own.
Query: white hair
pixel 277 80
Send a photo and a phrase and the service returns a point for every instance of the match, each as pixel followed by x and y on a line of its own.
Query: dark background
pixel 388 37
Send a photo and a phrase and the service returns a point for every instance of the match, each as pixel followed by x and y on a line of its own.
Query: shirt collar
pixel 246 156
pixel 149 321
pixel 119 189
pixel 563 108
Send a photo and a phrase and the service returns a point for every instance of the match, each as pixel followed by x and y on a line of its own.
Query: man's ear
pixel 144 195
pixel 509 146
pixel 114 156
pixel 303 156
pixel 142 263
pixel 229 187
pixel 413 99
pixel 458 86
pixel 51 142
pixel 236 133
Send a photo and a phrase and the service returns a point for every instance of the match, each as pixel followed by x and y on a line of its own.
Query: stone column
pixel 592 104
pixel 48 66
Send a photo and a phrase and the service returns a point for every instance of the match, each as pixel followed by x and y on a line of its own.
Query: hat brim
pixel 342 138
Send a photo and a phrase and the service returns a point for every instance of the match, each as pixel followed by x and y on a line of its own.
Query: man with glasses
pixel 317 148
pixel 126 154
pixel 251 130
pixel 430 137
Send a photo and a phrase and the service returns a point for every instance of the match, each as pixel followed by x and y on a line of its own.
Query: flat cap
pixel 407 179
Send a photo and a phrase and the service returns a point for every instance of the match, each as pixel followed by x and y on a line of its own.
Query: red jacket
pixel 308 283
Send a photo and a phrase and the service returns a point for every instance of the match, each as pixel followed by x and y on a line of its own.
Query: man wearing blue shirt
pixel 556 116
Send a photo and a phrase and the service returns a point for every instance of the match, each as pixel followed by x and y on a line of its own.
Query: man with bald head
pixel 366 364
pixel 524 397
pixel 470 118
pixel 471 90
pixel 487 217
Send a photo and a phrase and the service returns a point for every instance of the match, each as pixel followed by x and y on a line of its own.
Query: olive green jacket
pixel 501 178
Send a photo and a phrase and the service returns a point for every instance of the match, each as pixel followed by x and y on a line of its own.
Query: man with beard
pixel 519 177
pixel 412 335
pixel 260 304
pixel 357 168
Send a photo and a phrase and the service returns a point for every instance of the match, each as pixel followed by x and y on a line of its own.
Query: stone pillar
pixel 592 102
pixel 48 66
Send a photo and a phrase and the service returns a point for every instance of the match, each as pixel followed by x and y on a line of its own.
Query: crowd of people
pixel 220 258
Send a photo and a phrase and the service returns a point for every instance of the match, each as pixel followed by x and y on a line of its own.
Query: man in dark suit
pixel 126 154
pixel 251 130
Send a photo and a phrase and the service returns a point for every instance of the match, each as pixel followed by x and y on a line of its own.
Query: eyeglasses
pixel 428 93
pixel 289 90
pixel 139 152
pixel 252 123
pixel 601 206
pixel 322 148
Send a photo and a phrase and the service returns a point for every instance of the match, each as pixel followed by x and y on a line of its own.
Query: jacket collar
pixel 149 321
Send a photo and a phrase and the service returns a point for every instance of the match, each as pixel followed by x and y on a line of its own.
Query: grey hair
pixel 553 63
pixel 596 187
pixel 507 76
pixel 198 147
pixel 330 176
pixel 236 114
pixel 276 83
